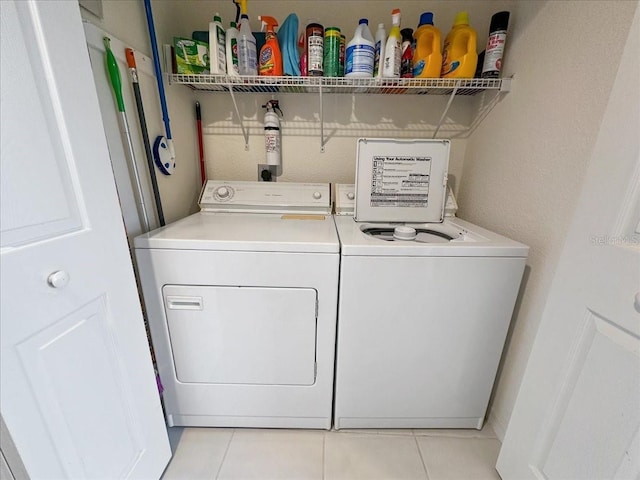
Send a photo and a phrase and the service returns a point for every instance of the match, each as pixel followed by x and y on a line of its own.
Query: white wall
pixel 346 117
pixel 525 164
pixel 126 21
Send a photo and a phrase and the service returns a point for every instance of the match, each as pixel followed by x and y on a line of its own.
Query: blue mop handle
pixel 156 64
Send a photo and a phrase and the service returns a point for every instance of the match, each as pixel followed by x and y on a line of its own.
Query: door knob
pixel 58 279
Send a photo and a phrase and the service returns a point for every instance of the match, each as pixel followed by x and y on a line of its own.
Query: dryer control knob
pixel 351 195
pixel 317 195
pixel 222 192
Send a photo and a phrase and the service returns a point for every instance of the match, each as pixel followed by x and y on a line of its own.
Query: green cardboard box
pixel 192 56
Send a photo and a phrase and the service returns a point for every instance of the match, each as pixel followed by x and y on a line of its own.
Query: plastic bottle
pixel 247 55
pixel 460 56
pixel 343 53
pixel 217 47
pixel 427 59
pixel 270 63
pixel 393 49
pixel 378 56
pixel 360 52
pixel 406 62
pixel 495 45
pixel 315 49
pixel 231 44
pixel 302 45
pixel 331 64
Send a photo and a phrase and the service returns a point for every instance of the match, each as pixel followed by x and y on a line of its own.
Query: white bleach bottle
pixel 360 52
pixel 231 38
pixel 217 47
pixel 393 49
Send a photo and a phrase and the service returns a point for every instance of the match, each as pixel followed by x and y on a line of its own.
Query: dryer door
pixel 242 335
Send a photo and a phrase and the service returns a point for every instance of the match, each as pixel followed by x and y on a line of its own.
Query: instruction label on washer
pixel 400 181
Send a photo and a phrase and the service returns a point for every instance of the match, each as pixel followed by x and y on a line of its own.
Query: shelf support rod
pixel 446 109
pixel 321 120
pixel 245 134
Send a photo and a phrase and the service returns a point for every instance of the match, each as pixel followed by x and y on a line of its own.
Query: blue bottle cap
pixel 364 20
pixel 426 19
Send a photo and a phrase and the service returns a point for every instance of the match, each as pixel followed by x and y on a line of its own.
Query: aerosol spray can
pixel 495 45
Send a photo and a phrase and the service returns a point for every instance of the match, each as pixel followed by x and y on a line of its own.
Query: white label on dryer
pixel 400 181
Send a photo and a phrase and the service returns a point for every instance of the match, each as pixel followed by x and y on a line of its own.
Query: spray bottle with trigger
pixel 270 58
pixel 272 136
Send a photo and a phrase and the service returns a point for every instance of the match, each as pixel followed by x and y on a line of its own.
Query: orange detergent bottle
pixel 270 58
pixel 460 56
pixel 427 59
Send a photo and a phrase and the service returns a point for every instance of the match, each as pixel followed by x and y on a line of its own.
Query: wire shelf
pixel 329 85
pixel 346 85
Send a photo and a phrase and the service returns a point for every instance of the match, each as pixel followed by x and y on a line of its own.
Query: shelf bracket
pixel 245 133
pixel 446 109
pixel 322 139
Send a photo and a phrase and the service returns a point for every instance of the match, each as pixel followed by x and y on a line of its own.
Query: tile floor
pixel 220 453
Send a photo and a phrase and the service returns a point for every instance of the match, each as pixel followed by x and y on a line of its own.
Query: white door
pixel 77 388
pixel 578 411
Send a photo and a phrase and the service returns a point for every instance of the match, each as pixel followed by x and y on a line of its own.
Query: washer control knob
pixel 223 192
pixel 404 233
pixel 317 195
pixel 351 195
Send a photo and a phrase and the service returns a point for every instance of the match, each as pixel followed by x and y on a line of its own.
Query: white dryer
pixel 241 300
pixel 425 301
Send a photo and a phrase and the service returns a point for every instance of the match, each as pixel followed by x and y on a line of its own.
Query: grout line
pixel 424 463
pixel 324 453
pixel 224 457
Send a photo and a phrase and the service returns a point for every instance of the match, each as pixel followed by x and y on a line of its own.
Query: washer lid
pixel 401 180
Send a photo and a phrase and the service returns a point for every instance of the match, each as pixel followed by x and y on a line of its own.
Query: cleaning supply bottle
pixel 270 63
pixel 360 52
pixel 217 47
pixel 331 62
pixel 393 49
pixel 378 56
pixel 460 56
pixel 427 59
pixel 247 55
pixel 495 45
pixel 406 61
pixel 314 35
pixel 231 44
pixel 302 45
pixel 343 54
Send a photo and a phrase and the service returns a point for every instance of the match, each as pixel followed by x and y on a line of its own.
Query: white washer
pixel 241 300
pixel 424 301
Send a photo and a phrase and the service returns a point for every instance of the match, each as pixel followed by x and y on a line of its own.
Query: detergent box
pixel 192 56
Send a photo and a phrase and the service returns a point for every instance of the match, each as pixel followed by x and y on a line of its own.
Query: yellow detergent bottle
pixel 460 56
pixel 427 59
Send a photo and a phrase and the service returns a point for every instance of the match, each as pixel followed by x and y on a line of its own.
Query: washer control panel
pixel 265 197
pixel 345 198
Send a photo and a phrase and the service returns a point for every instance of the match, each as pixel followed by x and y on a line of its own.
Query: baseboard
pixel 499 427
